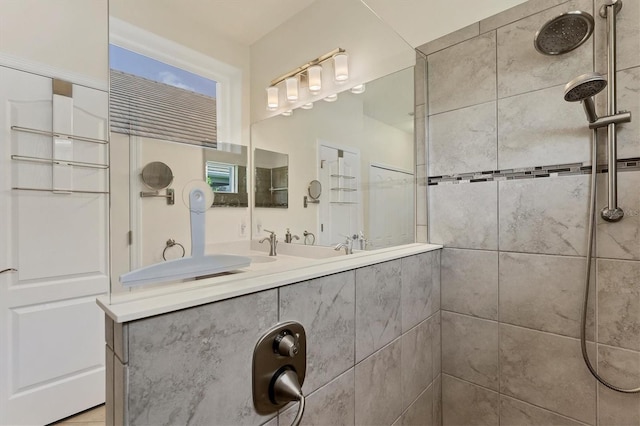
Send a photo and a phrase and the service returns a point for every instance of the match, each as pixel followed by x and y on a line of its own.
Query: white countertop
pixel 125 307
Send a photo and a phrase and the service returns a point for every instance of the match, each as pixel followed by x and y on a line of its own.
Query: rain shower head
pixel 583 88
pixel 564 33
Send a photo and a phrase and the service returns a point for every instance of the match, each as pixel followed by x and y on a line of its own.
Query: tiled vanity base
pixel 373 352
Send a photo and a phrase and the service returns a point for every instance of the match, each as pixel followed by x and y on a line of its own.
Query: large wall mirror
pixel 360 148
pixel 196 116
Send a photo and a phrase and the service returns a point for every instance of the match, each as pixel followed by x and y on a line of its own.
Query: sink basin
pixel 262 259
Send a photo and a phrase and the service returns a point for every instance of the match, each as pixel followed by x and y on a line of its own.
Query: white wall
pixel 374 48
pixel 46 34
pixel 420 21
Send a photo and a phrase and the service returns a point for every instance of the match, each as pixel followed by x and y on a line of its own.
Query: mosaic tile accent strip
pixel 624 165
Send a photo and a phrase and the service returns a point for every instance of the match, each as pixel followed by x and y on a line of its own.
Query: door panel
pixel 51 330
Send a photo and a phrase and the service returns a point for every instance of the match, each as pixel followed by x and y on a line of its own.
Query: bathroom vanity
pixel 182 354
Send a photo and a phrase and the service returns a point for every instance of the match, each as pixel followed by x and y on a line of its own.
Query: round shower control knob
pixel 286 345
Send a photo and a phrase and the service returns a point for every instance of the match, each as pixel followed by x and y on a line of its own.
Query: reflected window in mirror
pixel 222 177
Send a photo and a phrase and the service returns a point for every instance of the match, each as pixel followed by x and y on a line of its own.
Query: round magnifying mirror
pixel 157 175
pixel 315 189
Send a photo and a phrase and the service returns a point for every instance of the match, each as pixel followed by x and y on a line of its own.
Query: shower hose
pixel 592 215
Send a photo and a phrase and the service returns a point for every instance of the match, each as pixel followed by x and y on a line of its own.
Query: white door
pixel 340 207
pixel 391 207
pixel 51 330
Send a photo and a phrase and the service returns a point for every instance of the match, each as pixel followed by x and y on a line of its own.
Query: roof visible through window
pixel 134 63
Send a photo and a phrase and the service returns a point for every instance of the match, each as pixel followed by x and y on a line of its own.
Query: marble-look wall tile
pixel 272 422
pixel 540 128
pixel 436 342
pixel 547 216
pixel 437 401
pixel 545 293
pixel 378 387
pixel 332 404
pixel 514 412
pixel 420 412
pixel 621 368
pixel 326 308
pixel 619 303
pixel 515 13
pixel 420 278
pixel 466 404
pixel 522 69
pixel 463 140
pixel 420 129
pixel 422 234
pixel 548 371
pixel 417 362
pixel 454 83
pixel 470 282
pixel 470 349
pixel 421 195
pixel 454 218
pixel 378 316
pixel 179 361
pixel 627 37
pixel 620 240
pixel 629 100
pixel 450 39
pixel 420 81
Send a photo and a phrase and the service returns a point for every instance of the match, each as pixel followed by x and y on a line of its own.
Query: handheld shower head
pixel 583 88
pixel 564 33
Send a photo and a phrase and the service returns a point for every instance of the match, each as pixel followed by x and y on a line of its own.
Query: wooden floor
pixel 92 417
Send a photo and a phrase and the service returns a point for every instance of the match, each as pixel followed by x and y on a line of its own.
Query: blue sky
pixel 133 63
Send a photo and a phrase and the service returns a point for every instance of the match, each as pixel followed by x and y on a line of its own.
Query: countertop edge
pixel 138 308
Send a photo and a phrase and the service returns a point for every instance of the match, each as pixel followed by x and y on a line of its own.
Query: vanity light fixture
pixel 307 106
pixel 287 113
pixel 358 89
pixel 331 98
pixel 341 66
pixel 292 88
pixel 309 74
pixel 314 77
pixel 272 98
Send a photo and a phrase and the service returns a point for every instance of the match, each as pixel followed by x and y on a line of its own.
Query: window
pixel 154 99
pixel 178 60
pixel 222 177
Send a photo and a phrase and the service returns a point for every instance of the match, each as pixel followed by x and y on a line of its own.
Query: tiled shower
pixel 507 189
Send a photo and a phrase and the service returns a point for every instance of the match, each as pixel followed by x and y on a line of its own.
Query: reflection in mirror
pixel 157 175
pixel 271 179
pixel 315 189
pixel 225 171
pixel 360 149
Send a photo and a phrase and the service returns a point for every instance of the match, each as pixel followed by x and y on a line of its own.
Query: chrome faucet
pixel 289 238
pixel 361 239
pixel 273 242
pixel 347 246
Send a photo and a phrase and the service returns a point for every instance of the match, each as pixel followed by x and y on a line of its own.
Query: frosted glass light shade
pixel 341 66
pixel 292 88
pixel 331 98
pixel 360 88
pixel 288 113
pixel 307 106
pixel 314 73
pixel 272 98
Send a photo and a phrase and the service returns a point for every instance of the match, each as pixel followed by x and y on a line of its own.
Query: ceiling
pixel 242 21
pixel 416 21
